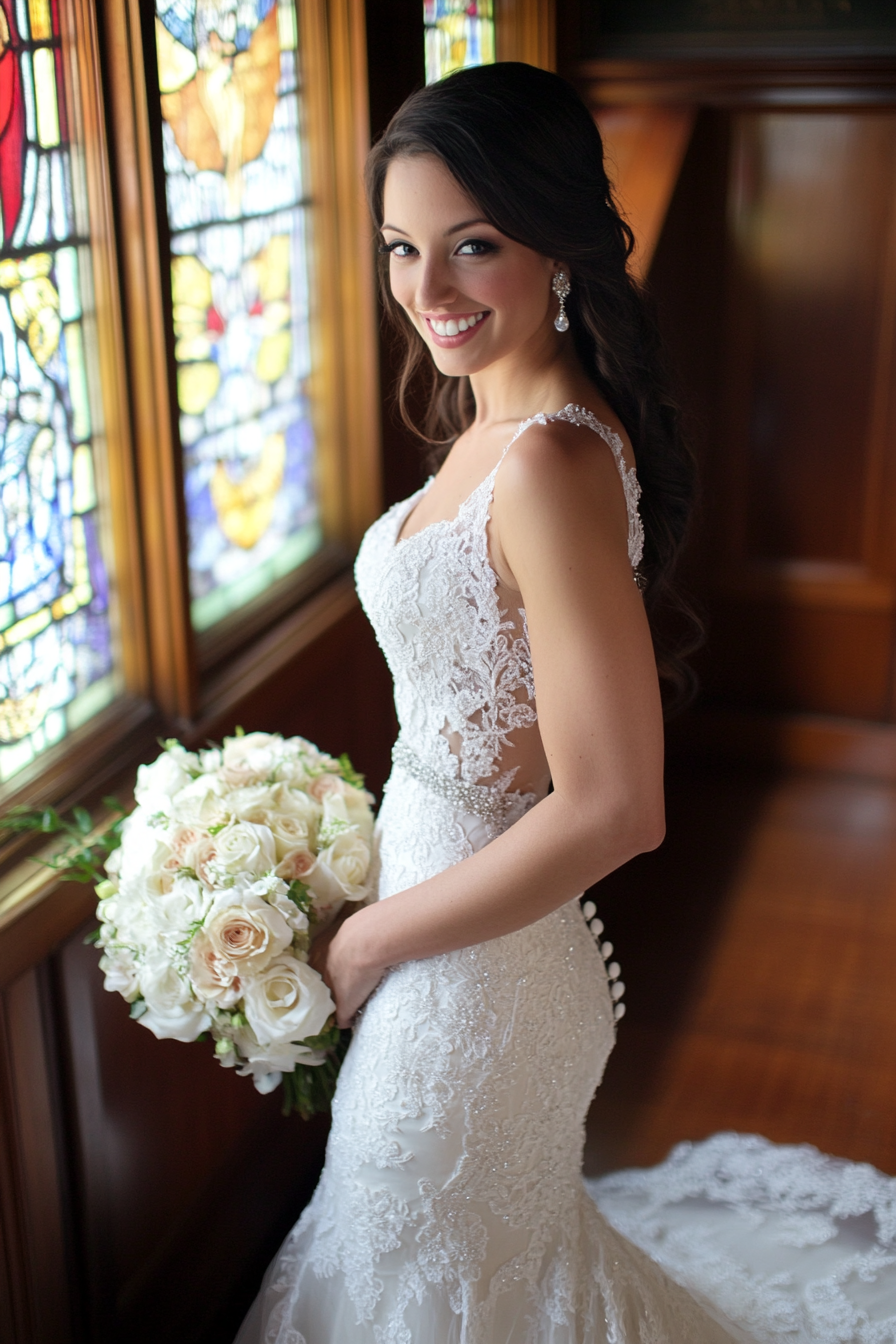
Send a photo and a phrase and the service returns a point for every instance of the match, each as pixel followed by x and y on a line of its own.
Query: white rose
pixel 289 832
pixel 341 869
pixel 251 758
pixel 158 783
pixel 287 1001
pixel 292 769
pixel 244 847
pixel 171 914
pixel 172 1012
pixel 143 848
pixel 245 929
pixel 252 802
pixel 201 803
pixel 297 803
pixel 214 977
pixel 120 969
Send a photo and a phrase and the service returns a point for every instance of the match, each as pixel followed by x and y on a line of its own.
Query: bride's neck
pixel 516 388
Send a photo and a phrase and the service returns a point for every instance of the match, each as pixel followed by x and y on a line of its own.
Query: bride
pixel 515 597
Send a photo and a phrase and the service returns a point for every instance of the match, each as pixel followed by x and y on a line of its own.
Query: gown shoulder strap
pixel 578 415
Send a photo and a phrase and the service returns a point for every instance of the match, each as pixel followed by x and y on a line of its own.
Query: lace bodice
pixel 460 661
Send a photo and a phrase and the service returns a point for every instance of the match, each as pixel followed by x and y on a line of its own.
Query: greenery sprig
pixel 83 857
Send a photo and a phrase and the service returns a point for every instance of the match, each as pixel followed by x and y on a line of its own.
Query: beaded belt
pixel 478 799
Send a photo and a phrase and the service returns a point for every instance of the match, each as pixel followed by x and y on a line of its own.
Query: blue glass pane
pixel 237 211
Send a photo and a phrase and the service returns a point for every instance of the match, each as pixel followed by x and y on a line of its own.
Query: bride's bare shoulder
pixel 558 460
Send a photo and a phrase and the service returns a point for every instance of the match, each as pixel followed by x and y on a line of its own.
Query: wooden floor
pixel 758 947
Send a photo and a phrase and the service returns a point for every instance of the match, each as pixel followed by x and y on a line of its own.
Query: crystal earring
pixel 561 287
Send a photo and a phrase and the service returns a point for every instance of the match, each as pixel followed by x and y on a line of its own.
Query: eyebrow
pixel 455 228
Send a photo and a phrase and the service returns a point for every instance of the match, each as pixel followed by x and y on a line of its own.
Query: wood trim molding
pixel 115 446
pixel 271 654
pixel 345 380
pixel 797 741
pixel 152 397
pixel 851 82
pixel 526 30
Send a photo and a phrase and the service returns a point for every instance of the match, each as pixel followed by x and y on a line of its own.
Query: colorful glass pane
pixel 56 657
pixel 228 80
pixel 457 33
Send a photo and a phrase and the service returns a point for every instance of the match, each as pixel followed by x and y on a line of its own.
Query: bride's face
pixel 474 294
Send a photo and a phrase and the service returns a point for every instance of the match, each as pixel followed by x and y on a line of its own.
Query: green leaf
pixel 92 937
pixel 349 773
pixel 309 1089
pixel 299 894
pixel 138 1008
pixel 77 861
pixel 82 820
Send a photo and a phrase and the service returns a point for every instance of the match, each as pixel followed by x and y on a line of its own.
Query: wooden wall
pixel 775 277
pixel 145 1188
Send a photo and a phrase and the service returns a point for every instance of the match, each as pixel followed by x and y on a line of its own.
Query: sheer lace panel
pixel 457 649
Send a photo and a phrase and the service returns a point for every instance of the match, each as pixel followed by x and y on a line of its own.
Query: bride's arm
pixel 560 528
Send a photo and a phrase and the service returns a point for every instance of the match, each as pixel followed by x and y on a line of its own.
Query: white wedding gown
pixel 451 1209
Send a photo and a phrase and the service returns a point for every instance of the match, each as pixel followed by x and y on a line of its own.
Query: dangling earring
pixel 561 287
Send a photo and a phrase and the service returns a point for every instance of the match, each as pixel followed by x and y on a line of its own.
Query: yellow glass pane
pixel 41 23
pixel 45 97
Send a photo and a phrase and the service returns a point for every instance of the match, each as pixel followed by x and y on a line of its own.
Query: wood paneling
pixel 526 30
pixel 798 549
pixel 135 1173
pixel 35 1193
pixel 187 1178
pixel 775 278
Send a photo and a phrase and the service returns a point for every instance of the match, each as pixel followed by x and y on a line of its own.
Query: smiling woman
pixel 502 595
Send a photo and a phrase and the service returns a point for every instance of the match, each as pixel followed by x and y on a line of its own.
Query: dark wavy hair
pixel 525 149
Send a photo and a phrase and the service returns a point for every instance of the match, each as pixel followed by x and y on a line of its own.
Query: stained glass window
pixel 56 651
pixel 237 210
pixel 457 33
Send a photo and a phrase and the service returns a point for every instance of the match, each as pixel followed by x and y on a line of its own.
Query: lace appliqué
pixel 790 1243
pixel 462 665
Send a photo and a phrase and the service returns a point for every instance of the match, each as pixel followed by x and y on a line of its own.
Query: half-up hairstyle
pixel 525 149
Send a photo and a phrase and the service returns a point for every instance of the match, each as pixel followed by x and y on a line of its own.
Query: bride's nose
pixel 435 287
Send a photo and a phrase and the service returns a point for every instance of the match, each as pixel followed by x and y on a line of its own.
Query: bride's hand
pixel 336 955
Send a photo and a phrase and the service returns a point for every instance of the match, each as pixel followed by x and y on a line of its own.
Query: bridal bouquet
pixel 233 859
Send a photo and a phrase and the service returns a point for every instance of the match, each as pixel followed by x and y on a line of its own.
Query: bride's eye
pixel 398 248
pixel 475 247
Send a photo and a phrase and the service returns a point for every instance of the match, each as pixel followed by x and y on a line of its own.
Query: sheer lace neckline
pixel 572 414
